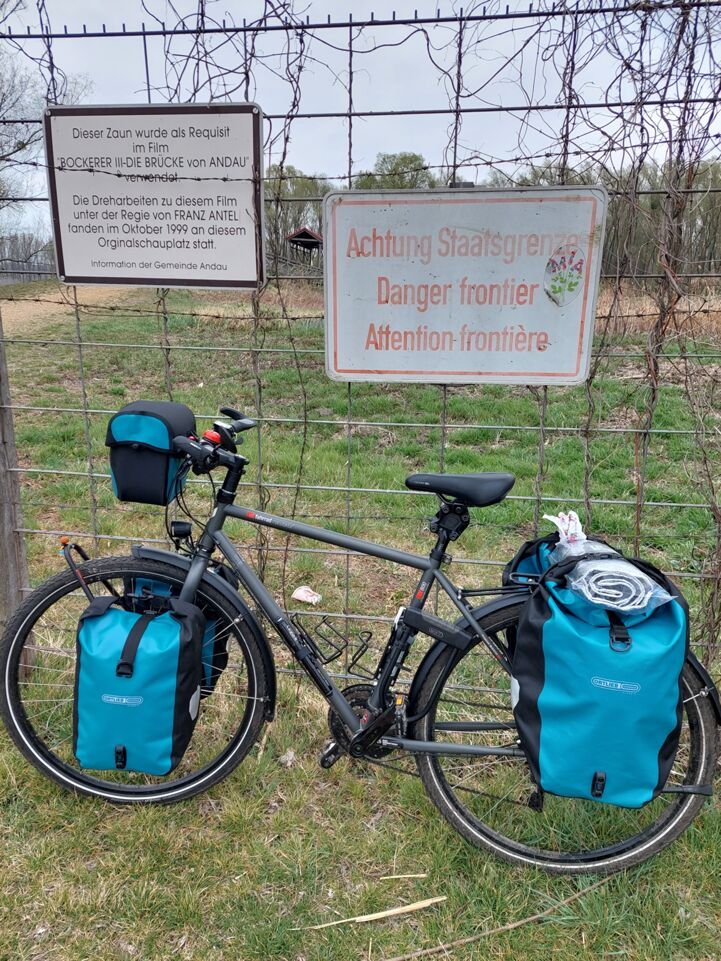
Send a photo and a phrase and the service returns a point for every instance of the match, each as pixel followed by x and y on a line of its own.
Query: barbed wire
pixel 209 315
pixel 624 94
pixel 259 25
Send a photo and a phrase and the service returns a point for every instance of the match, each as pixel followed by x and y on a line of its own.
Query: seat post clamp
pixel 452 518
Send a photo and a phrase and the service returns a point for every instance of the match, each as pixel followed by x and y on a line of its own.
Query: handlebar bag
pixel 146 593
pixel 137 685
pixel 597 694
pixel 145 468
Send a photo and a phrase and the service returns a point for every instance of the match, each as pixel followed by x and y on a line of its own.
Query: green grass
pixel 232 874
pixel 374 457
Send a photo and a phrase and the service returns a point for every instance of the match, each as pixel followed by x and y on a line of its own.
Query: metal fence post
pixel 14 576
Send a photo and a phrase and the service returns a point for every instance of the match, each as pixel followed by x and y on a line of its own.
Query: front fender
pixel 234 599
pixel 440 649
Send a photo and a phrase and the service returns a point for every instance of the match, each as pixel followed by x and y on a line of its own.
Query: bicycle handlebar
pixel 216 447
pixel 205 455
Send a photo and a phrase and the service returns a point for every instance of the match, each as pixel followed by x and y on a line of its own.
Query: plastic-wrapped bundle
pixel 610 582
pixel 616 585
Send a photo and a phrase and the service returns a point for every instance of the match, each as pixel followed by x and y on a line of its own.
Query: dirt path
pixel 36 305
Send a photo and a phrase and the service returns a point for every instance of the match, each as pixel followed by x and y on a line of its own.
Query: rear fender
pixel 235 601
pixel 705 678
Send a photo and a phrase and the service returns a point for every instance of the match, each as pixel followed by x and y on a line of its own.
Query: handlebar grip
pixel 243 423
pixel 239 422
pixel 187 446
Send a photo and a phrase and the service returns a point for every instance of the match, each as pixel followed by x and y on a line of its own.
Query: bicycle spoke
pixel 496 797
pixel 45 687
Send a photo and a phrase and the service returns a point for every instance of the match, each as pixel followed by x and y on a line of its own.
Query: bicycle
pixel 455 719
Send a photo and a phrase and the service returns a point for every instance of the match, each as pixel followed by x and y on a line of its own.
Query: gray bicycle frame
pixel 399 642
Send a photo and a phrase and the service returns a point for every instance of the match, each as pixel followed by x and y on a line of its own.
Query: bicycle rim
pixel 39 682
pixel 490 800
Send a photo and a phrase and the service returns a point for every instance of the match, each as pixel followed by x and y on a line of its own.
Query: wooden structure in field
pixel 305 248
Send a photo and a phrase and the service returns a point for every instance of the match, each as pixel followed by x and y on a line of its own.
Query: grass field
pixel 282 845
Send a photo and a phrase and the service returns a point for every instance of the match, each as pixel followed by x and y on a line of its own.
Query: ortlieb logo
pixel 626 687
pixel 125 700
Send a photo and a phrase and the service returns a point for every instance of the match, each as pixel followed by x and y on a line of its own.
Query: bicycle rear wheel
pixel 37 668
pixel 486 799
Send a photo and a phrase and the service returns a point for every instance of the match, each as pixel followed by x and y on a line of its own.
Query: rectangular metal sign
pixel 462 286
pixel 159 196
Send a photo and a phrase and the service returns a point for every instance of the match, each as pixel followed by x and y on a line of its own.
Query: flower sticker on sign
pixel 563 280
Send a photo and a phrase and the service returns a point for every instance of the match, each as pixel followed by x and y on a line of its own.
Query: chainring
pixel 357 697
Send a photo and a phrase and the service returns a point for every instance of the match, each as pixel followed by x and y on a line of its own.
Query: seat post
pixel 439 551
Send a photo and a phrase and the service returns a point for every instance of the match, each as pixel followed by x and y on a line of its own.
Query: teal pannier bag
pixel 144 466
pixel 137 685
pixel 530 561
pixel 145 593
pixel 596 693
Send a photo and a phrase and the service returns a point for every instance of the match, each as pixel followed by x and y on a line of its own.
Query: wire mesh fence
pixel 622 95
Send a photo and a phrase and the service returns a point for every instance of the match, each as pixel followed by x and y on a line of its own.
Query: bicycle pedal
pixel 331 753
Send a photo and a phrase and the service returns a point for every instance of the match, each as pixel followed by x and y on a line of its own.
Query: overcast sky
pixel 397 77
pixel 506 64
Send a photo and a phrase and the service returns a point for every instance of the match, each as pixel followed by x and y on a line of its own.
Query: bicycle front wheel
pixel 486 799
pixel 37 668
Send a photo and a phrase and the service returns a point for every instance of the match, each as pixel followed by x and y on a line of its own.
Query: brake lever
pixel 244 423
pixel 227 436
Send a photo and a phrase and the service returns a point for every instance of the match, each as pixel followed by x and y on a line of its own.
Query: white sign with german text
pixel 462 286
pixel 161 196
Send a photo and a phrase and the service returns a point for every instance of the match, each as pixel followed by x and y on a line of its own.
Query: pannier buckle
pixel 598 784
pixel 620 638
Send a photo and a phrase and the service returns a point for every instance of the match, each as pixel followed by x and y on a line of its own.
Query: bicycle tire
pixel 622 837
pixel 39 643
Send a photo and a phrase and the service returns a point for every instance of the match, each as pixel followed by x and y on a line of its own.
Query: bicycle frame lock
pixel 449 522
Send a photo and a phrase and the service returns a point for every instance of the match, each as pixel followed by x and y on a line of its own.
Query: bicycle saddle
pixel 474 490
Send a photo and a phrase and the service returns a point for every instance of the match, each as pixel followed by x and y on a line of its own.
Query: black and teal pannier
pixel 144 466
pixel 137 685
pixel 597 694
pixel 530 561
pixel 533 558
pixel 146 593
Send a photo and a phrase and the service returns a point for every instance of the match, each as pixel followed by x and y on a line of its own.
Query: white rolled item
pixel 616 585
